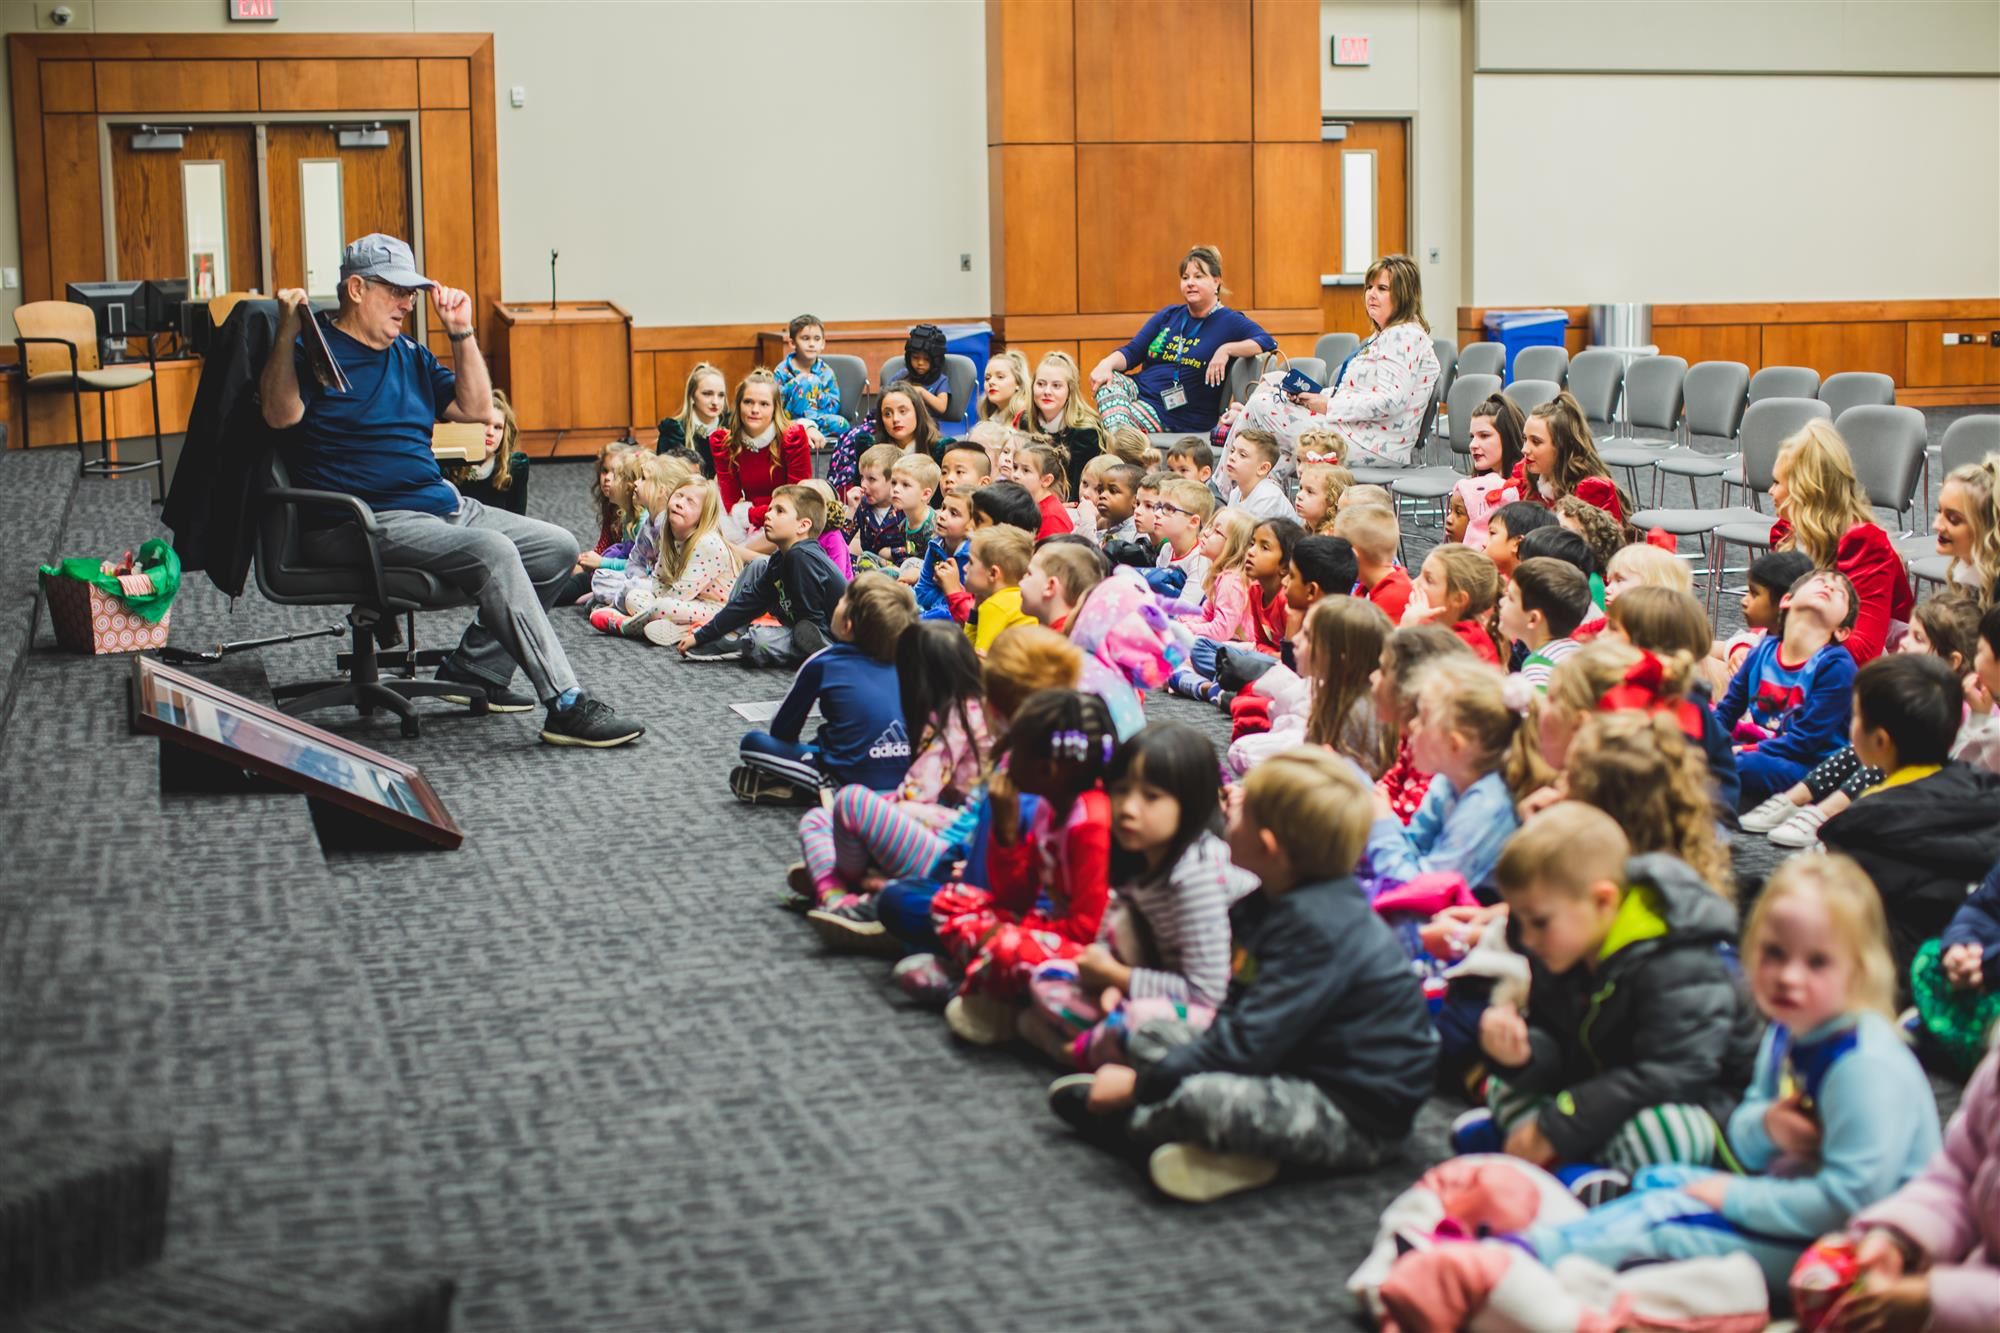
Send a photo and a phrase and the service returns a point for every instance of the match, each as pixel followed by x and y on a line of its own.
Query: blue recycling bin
pixel 1515 329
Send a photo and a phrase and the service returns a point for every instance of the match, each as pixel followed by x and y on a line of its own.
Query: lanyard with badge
pixel 1174 397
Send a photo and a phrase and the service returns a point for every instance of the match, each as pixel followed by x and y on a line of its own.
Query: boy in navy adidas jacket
pixel 861 737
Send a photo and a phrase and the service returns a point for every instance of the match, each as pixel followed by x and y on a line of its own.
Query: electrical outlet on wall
pixel 10 278
pixel 1435 252
pixel 965 263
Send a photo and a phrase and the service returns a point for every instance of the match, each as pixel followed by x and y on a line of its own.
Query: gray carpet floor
pixel 583 1064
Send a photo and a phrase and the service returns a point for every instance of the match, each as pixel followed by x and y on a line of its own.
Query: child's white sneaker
pixel 1801 830
pixel 1773 812
pixel 1193 1174
pixel 981 1021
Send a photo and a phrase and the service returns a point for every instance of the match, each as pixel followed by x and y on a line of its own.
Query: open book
pixel 320 357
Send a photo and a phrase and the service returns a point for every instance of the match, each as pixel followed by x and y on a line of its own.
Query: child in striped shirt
pixel 1542 606
pixel 1163 949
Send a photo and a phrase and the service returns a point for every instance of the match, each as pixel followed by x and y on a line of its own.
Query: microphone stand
pixel 552 279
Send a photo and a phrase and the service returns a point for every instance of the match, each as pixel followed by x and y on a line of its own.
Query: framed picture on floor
pixel 185 710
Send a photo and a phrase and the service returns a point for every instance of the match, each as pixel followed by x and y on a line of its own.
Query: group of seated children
pixel 1468 833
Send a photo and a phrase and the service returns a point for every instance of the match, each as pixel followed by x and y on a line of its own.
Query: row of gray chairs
pixel 1530 363
pixel 1888 444
pixel 1710 398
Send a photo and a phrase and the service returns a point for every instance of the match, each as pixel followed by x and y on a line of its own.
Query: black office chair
pixel 375 595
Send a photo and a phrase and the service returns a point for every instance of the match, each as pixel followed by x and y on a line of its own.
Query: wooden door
pixel 149 208
pixel 374 188
pixel 1386 146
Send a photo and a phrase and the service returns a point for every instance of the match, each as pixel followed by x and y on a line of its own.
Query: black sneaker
pixel 589 723
pixel 728 648
pixel 753 786
pixel 499 698
pixel 1069 1098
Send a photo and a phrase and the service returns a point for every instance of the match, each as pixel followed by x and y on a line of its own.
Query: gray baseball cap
pixel 383 258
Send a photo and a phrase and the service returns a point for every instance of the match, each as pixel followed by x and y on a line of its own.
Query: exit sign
pixel 1350 50
pixel 253 11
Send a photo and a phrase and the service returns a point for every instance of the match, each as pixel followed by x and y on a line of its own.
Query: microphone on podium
pixel 552 278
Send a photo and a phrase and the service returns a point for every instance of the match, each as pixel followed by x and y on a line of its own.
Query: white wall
pixel 699 163
pixel 1746 36
pixel 1718 188
pixel 1414 73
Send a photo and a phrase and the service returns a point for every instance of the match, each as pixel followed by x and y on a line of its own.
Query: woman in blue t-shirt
pixel 1169 377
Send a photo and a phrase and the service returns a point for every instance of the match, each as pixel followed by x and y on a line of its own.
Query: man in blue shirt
pixel 373 441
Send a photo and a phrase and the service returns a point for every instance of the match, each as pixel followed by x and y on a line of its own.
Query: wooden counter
pixel 565 369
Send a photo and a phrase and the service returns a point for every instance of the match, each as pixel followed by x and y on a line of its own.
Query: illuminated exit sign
pixel 1350 50
pixel 253 11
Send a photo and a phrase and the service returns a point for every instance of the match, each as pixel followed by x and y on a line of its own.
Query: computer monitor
pixel 119 306
pixel 163 300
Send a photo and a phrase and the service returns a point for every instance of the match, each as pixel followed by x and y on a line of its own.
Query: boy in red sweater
pixel 1375 536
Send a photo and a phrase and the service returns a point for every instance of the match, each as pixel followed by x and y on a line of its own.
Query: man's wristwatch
pixel 459 337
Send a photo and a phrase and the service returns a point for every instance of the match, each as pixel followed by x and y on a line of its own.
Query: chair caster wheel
pixel 477 707
pixel 412 728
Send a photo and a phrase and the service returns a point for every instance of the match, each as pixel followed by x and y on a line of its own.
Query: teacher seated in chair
pixel 374 442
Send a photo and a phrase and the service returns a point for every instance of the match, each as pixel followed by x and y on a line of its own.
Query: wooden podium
pixel 566 368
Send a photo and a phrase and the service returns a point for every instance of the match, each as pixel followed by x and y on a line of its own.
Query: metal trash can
pixel 1624 327
pixel 1621 325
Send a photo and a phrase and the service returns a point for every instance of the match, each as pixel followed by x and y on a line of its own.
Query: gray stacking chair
pixel 851 374
pixel 1784 382
pixel 1334 348
pixel 1596 375
pixel 1716 394
pixel 1317 367
pixel 1482 358
pixel 1766 427
pixel 1853 388
pixel 1530 394
pixel 1888 447
pixel 1542 363
pixel 1654 386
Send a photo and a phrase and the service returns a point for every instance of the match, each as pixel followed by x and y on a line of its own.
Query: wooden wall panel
pixel 643 392
pixel 1832 348
pixel 30 171
pixel 176 85
pixel 1136 218
pixel 1032 199
pixel 671 369
pixel 1710 342
pixel 1160 71
pixel 1292 215
pixel 443 84
pixel 337 85
pixel 67 85
pixel 1285 54
pixel 75 201
pixel 1030 71
pixel 374 188
pixel 485 219
pixel 447 168
pixel 1929 364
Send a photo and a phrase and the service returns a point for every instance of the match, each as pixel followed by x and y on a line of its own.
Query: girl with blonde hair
pixel 1460 588
pixel 704 410
pixel 1823 512
pixel 1225 608
pixel 1640 769
pixel 1066 414
pixel 1470 732
pixel 1968 529
pixel 1006 396
pixel 1559 458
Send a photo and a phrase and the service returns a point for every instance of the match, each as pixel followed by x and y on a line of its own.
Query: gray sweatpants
pixel 509 564
pixel 1287 1119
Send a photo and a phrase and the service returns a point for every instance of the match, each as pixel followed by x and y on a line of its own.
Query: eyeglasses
pixel 398 294
pixel 1162 507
